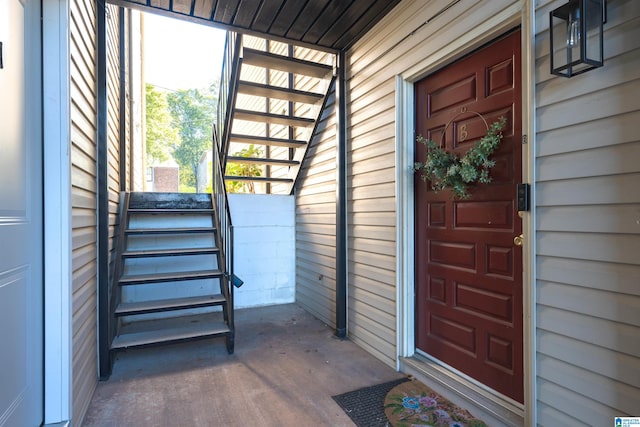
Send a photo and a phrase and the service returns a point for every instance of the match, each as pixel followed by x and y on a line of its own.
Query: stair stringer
pixel 295 173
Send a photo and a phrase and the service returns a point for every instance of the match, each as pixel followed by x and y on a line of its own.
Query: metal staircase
pixel 271 100
pixel 171 279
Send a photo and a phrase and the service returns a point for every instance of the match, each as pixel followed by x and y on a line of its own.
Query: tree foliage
pixel 161 136
pixel 192 112
pixel 243 169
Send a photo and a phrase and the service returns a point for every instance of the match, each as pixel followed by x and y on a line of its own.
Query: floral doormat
pixel 412 404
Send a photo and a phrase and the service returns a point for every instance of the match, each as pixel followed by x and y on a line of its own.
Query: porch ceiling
pixel 325 24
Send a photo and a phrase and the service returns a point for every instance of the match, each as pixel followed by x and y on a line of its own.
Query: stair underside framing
pixel 281 168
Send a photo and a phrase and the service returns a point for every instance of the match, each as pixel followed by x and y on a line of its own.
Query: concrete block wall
pixel 264 243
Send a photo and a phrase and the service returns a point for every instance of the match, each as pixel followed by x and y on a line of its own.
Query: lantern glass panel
pixel 564 49
pixel 593 31
pixel 576 37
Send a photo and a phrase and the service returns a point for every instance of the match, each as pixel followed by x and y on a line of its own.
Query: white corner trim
pixel 405 324
pixel 529 219
pixel 57 213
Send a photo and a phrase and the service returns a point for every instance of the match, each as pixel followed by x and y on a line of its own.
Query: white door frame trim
pixel 57 213
pixel 521 13
pixel 405 230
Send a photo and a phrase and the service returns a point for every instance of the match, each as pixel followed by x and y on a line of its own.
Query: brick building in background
pixel 164 178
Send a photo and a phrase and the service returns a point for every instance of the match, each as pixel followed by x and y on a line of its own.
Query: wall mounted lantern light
pixel 576 37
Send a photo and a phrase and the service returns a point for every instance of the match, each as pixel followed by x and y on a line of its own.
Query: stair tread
pixel 280 119
pixel 269 91
pixel 127 279
pixel 284 63
pixel 262 140
pixel 258 160
pixel 160 200
pixel 257 178
pixel 183 230
pixel 127 308
pixel 170 210
pixel 143 253
pixel 196 330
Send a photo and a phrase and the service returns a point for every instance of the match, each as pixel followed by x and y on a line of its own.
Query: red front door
pixel 468 269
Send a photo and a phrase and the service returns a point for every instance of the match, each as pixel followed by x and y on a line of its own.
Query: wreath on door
pixel 446 170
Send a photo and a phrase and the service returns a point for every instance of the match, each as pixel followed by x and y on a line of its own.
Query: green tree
pixel 193 112
pixel 243 169
pixel 161 137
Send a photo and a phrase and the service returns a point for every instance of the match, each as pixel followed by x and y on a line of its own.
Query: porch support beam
pixel 341 202
pixel 103 197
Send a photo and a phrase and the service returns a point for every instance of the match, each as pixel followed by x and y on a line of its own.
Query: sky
pixel 180 54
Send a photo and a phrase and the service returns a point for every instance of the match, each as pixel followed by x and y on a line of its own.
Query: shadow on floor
pixel 285 369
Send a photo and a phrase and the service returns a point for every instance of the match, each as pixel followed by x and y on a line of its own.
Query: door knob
pixel 518 240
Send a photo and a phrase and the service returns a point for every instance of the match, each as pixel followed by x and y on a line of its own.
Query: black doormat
pixel 365 406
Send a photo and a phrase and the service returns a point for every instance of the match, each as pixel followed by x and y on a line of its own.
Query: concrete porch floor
pixel 285 368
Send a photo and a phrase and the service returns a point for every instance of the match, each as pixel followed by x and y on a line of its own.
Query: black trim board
pixel 104 362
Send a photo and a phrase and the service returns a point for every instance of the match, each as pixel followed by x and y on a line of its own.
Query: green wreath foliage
pixel 446 170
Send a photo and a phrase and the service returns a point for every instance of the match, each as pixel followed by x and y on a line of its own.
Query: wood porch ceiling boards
pixel 331 25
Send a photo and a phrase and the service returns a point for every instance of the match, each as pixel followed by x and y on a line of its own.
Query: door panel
pixel 21 282
pixel 468 270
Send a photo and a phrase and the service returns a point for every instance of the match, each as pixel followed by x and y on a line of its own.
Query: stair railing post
pixel 291 85
pixel 227 91
pixel 224 235
pixel 231 286
pixel 267 73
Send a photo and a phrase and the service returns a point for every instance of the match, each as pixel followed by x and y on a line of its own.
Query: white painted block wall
pixel 264 248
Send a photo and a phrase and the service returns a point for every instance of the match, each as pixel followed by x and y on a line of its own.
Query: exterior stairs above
pixel 273 105
pixel 170 280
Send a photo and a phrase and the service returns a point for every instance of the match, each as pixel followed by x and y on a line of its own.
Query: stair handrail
pixel 228 89
pixel 224 224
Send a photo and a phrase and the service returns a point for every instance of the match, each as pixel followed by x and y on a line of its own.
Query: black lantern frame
pixel 576 37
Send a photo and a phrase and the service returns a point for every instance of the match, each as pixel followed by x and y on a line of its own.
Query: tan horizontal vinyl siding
pixel 114 122
pixel 315 223
pixel 83 199
pixel 588 229
pixel 371 215
pixel 398 43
